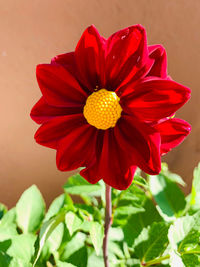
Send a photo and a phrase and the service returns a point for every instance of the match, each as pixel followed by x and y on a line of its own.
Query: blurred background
pixel 33 32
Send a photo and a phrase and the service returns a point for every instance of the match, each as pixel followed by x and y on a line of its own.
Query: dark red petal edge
pixel 90 59
pixel 42 112
pixel 59 87
pixel 159 67
pixel 173 132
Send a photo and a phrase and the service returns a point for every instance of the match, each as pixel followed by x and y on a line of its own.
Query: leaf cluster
pixel 153 224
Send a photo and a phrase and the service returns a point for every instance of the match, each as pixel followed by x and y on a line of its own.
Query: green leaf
pixel 55 207
pixel 7 232
pixel 116 249
pixel 184 237
pixel 4 245
pixel 168 195
pixel 3 210
pixel 139 180
pixel 127 210
pixel 138 195
pixel 8 218
pixel 180 229
pixel 138 221
pixel 175 178
pixel 72 221
pixel 195 194
pixel 95 261
pixel 54 240
pixel 190 243
pixel 7 226
pixel 19 263
pixel 22 247
pixel 75 251
pixel 126 251
pixel 97 234
pixel 151 242
pixel 76 185
pixel 46 230
pixel 75 244
pixel 86 211
pixel 5 260
pixel 79 258
pixel 191 260
pixel 126 203
pixel 85 226
pixel 30 210
pixel 103 192
pixel 116 234
pixel 64 264
pixel 171 176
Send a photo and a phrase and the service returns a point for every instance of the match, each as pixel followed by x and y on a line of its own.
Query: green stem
pixel 117 202
pixel 191 252
pixel 155 261
pixel 159 260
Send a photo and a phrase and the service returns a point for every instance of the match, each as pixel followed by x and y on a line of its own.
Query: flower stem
pixel 108 212
pixel 156 261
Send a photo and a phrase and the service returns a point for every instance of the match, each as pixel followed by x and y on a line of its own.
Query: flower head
pixel 108 107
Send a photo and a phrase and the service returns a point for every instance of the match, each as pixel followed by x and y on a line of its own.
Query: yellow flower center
pixel 102 109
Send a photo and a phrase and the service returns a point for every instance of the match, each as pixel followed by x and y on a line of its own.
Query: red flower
pixel 108 106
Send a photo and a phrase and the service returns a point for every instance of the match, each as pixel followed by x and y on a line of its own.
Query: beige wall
pixel 33 31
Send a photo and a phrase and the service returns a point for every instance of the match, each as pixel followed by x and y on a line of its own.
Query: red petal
pixel 112 165
pixel 59 87
pixel 42 112
pixel 141 142
pixel 154 99
pixel 91 174
pixel 173 132
pixel 50 133
pixel 126 54
pixel 89 56
pixel 124 147
pixel 77 148
pixel 68 61
pixel 159 68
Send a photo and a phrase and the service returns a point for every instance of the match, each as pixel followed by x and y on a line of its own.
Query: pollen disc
pixel 102 109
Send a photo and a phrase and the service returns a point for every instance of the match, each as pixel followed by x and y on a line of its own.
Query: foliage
pixel 154 224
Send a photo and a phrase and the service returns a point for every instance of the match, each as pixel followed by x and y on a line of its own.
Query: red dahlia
pixel 108 107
